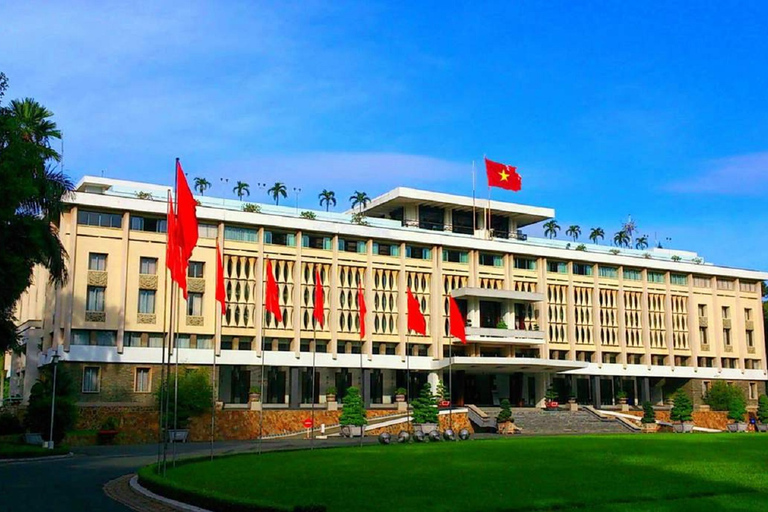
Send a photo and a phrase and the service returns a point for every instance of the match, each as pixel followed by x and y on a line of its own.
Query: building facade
pixel 588 320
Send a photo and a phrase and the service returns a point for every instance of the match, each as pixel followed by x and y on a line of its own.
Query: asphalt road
pixel 75 483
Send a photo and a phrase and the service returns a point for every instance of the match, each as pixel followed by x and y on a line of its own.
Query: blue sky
pixel 656 110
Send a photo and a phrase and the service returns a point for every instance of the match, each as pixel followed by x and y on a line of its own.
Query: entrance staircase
pixel 538 421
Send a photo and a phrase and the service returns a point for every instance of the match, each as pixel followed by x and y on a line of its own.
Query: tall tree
pixel 241 189
pixel 201 185
pixel 621 239
pixel 360 199
pixel 596 233
pixel 34 191
pixel 551 228
pixel 641 243
pixel 327 197
pixel 574 232
pixel 277 190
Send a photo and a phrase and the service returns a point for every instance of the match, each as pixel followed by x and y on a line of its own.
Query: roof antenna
pixel 102 173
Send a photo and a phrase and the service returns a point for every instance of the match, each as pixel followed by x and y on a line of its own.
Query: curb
pixel 136 486
pixel 36 459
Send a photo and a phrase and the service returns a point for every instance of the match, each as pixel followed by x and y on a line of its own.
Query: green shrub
pixel 683 408
pixel 194 398
pixel 501 325
pixel 10 424
pixel 649 415
pixel 506 412
pixel 38 417
pixel 442 391
pixel 353 412
pixel 306 214
pixel 330 390
pixel 720 395
pixel 255 390
pixel 425 407
pixel 762 409
pixel 581 247
pixel 252 208
pixel 621 394
pixel 401 391
pixel 359 219
pixel 737 408
pixel 110 423
pixel 551 393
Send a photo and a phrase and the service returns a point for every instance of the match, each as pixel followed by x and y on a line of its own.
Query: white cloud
pixel 735 175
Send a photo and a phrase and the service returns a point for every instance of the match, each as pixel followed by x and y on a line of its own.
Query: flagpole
pixel 314 354
pixel 474 214
pixel 263 356
pixel 175 331
pixel 167 405
pixel 450 378
pixel 408 377
pixel 162 383
pixel 362 388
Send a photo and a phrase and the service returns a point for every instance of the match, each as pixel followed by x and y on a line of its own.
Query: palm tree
pixel 574 232
pixel 201 185
pixel 328 197
pixel 277 190
pixel 360 199
pixel 641 243
pixel 596 233
pixel 551 228
pixel 33 122
pixel 241 189
pixel 621 239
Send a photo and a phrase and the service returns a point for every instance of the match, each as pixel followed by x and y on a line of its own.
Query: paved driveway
pixel 75 483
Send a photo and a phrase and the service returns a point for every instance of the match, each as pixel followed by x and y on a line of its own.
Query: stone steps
pixel 537 421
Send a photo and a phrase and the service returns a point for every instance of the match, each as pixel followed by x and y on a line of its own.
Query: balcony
pixel 505 336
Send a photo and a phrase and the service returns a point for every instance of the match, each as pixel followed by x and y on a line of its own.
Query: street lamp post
pixel 55 360
pixel 297 190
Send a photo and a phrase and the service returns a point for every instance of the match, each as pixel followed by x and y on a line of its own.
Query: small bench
pixel 34 439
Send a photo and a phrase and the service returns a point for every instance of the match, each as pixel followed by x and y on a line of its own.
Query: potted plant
pixel 443 395
pixel 621 396
pixel 504 421
pixel 352 417
pixel 330 394
pixel 737 409
pixel 108 431
pixel 400 395
pixel 648 422
pixel 682 411
pixel 425 410
pixel 762 414
pixel 254 394
pixel 550 399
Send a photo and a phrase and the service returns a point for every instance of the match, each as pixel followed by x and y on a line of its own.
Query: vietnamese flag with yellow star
pixel 503 176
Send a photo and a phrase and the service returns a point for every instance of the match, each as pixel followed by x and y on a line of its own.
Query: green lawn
pixel 23 451
pixel 660 472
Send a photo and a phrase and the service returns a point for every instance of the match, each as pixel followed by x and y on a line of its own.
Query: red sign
pixel 444 403
pixel 307 423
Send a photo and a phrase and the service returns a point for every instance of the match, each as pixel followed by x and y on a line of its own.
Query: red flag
pixel 319 313
pixel 186 214
pixel 272 298
pixel 362 308
pixel 172 253
pixel 416 321
pixel 503 176
pixel 456 321
pixel 221 295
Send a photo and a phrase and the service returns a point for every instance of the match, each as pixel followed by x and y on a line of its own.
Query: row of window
pixel 142 380
pixel 137 223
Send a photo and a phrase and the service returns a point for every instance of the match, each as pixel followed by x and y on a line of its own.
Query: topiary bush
pixel 506 412
pixel 10 424
pixel 720 395
pixel 737 408
pixel 762 409
pixel 353 412
pixel 425 407
pixel 38 417
pixel 649 415
pixel 683 408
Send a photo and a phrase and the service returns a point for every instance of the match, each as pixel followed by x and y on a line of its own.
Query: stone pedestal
pixel 573 406
pixel 402 406
pixel 624 407
pixel 332 406
pixel 254 406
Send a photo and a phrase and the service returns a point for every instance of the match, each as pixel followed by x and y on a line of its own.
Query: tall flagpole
pixel 408 377
pixel 314 355
pixel 263 356
pixel 160 431
pixel 450 380
pixel 176 385
pixel 362 388
pixel 474 214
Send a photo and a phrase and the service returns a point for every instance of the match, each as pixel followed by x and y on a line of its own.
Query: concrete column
pixel 334 300
pixel 669 331
pixel 646 389
pixel 622 319
pixel 259 320
pixel 596 324
pixel 402 306
pixel 294 390
pixel 433 379
pixel 297 272
pixel 69 288
pixel 541 388
pixel 543 307
pixel 596 399
pixel 123 284
pixel 645 316
pixel 366 380
pixel 570 314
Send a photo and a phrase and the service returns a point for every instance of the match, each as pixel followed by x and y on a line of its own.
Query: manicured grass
pixel 661 472
pixel 23 451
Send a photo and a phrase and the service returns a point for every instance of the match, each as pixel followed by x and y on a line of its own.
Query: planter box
pixel 737 427
pixel 649 428
pixel 352 431
pixel 761 427
pixel 106 436
pixel 399 398
pixel 178 435
pixel 426 428
pixel 683 428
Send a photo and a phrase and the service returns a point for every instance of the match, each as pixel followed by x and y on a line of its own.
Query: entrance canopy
pixel 512 364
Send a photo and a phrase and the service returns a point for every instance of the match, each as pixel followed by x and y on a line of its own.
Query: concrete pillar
pixel 646 389
pixel 366 388
pixel 433 379
pixel 596 399
pixel 294 390
pixel 541 389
